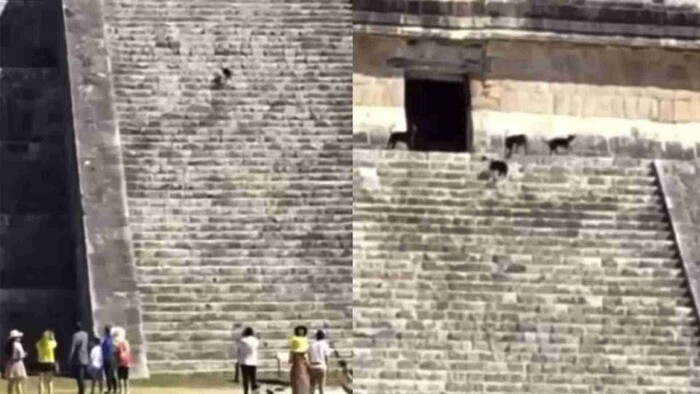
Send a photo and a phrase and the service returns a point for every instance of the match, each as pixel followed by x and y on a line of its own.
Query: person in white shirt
pixel 248 359
pixel 318 357
pixel 15 372
pixel 96 365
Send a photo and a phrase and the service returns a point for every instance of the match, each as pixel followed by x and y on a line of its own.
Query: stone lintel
pixel 387 26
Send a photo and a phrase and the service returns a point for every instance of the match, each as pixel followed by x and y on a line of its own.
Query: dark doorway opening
pixel 437 111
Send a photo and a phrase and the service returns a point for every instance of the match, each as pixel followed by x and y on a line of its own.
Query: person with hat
pixel 299 373
pixel 15 372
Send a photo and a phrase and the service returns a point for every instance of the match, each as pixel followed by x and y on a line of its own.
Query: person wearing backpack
pixel 122 351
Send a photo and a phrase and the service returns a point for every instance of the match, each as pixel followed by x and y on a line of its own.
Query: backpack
pixel 124 354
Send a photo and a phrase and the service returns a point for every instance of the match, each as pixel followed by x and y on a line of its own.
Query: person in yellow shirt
pixel 46 355
pixel 299 373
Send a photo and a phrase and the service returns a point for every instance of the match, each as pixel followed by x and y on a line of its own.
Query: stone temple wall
pixel 639 102
pixel 239 192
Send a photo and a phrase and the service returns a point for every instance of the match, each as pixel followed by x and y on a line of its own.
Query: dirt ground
pixel 67 386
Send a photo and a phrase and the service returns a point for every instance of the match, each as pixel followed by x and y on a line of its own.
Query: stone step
pixel 412 214
pixel 536 272
pixel 548 284
pixel 554 320
pixel 401 259
pixel 455 296
pixel 399 182
pixel 273 297
pixel 442 217
pixel 530 351
pixel 232 312
pixel 291 251
pixel 547 162
pixel 233 274
pixel 546 167
pixel 504 247
pixel 408 241
pixel 239 258
pixel 486 229
pixel 500 205
pixel 603 195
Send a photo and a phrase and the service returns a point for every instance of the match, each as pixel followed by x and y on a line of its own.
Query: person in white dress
pixel 318 357
pixel 15 372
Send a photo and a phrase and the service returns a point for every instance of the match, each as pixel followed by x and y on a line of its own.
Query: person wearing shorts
pixel 96 365
pixel 46 361
pixel 123 356
pixel 108 361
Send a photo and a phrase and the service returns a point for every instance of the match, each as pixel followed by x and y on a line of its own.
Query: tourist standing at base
pixel 109 361
pixel 15 372
pixel 96 366
pixel 79 357
pixel 318 358
pixel 299 373
pixel 248 359
pixel 122 351
pixel 46 358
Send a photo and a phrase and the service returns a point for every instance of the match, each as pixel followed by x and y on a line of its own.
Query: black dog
pixel 497 168
pixel 220 78
pixel 407 137
pixel 556 143
pixel 515 142
pixel 399 136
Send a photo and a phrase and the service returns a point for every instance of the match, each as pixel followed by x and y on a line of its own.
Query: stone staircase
pixel 564 278
pixel 239 192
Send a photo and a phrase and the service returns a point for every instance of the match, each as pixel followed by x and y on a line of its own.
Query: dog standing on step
pixel 407 137
pixel 498 169
pixel 561 142
pixel 513 143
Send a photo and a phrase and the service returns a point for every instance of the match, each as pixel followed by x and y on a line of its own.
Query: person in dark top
pixel 79 358
pixel 108 360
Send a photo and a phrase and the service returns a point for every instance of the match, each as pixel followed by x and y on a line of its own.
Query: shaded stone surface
pixel 680 183
pixel 113 288
pixel 41 259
